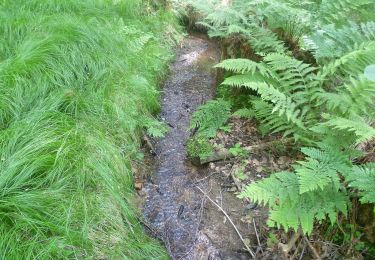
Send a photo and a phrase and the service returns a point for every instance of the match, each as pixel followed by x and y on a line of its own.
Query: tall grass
pixel 77 88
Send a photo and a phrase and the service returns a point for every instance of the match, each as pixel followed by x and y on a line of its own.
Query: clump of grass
pixel 77 87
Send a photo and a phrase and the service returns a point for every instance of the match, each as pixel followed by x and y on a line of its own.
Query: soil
pixel 175 209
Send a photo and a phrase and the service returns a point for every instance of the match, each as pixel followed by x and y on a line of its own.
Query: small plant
pixel 272 240
pixel 226 128
pixel 210 117
pixel 237 150
pixel 239 174
pixel 155 128
pixel 199 147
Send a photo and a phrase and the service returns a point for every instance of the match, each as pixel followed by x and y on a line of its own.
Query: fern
pixel 331 42
pixel 350 64
pixel 244 113
pixel 326 103
pixel 354 97
pixel 339 12
pixel 210 117
pixel 281 81
pixel 244 66
pixel 363 131
pixel 363 179
pixel 265 41
pixel 289 208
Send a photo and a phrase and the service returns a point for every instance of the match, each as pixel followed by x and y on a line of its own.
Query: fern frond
pixel 351 64
pixel 330 42
pixel 290 209
pixel 293 74
pixel 244 66
pixel 354 97
pixel 361 129
pixel 363 178
pixel 265 41
pixel 209 117
pixel 244 113
pixel 314 175
pixel 283 104
pixel 339 12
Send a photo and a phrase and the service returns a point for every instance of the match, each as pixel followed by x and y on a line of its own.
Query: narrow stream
pixel 174 206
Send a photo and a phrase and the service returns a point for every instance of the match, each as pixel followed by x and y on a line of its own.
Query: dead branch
pixel 256 233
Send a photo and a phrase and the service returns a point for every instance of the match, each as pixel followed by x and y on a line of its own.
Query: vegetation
pixel 204 123
pixel 306 74
pixel 77 88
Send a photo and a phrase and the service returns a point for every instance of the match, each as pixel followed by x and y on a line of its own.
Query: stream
pixel 174 207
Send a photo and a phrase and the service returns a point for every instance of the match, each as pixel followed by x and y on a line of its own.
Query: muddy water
pixel 174 207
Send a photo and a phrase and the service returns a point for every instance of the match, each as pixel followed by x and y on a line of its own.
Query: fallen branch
pixel 230 220
pixel 256 233
pixel 223 154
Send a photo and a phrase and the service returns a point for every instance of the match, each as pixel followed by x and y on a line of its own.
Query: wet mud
pixel 175 209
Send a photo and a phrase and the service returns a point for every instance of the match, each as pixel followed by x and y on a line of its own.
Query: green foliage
pixel 281 82
pixel 323 101
pixel 199 147
pixel 77 81
pixel 210 117
pixel 363 178
pixel 310 193
pixel 237 150
pixel 244 113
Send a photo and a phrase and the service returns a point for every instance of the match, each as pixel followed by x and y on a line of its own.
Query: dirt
pixel 175 209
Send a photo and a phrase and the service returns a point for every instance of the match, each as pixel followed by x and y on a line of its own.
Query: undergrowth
pixel 77 88
pixel 204 123
pixel 304 77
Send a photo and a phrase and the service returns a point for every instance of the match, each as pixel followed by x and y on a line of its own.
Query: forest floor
pixel 195 210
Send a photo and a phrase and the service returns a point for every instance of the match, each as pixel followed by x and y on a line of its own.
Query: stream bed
pixel 176 210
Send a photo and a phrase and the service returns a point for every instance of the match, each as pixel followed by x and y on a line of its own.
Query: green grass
pixel 77 88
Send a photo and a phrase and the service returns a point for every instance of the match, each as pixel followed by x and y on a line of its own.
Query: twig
pixel 296 251
pixel 204 178
pixel 148 226
pixel 230 220
pixel 256 233
pixel 303 252
pixel 312 249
